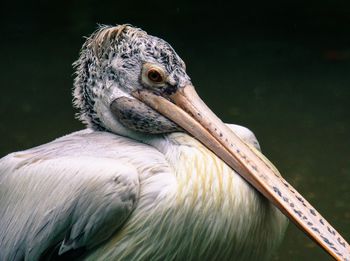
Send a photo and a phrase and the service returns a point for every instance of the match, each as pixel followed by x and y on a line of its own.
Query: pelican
pixel 154 176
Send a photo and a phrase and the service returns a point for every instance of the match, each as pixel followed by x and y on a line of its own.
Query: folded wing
pixel 59 205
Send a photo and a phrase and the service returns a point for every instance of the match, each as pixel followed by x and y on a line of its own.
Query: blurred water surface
pixel 287 80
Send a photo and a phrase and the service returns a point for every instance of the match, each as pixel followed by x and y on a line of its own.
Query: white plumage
pixel 151 201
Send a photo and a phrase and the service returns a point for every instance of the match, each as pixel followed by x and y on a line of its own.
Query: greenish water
pixel 292 91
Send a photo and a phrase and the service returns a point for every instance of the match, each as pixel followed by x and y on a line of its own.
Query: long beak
pixel 185 108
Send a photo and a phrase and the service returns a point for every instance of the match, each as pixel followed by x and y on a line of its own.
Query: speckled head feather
pixel 110 65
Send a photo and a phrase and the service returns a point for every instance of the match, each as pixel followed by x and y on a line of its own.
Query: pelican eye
pixel 155 76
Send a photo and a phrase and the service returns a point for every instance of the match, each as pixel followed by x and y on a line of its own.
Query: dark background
pixel 280 68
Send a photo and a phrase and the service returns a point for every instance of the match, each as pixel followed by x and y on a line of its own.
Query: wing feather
pixel 74 201
pixel 245 134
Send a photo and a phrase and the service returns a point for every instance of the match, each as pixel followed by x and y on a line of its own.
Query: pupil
pixel 154 76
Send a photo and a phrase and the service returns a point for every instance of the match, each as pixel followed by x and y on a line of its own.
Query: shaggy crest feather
pixel 96 47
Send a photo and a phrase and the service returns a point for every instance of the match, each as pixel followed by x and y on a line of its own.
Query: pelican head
pixel 132 84
pixel 114 63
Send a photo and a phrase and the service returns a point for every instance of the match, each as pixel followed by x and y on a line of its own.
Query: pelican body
pixel 154 176
pixel 119 199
